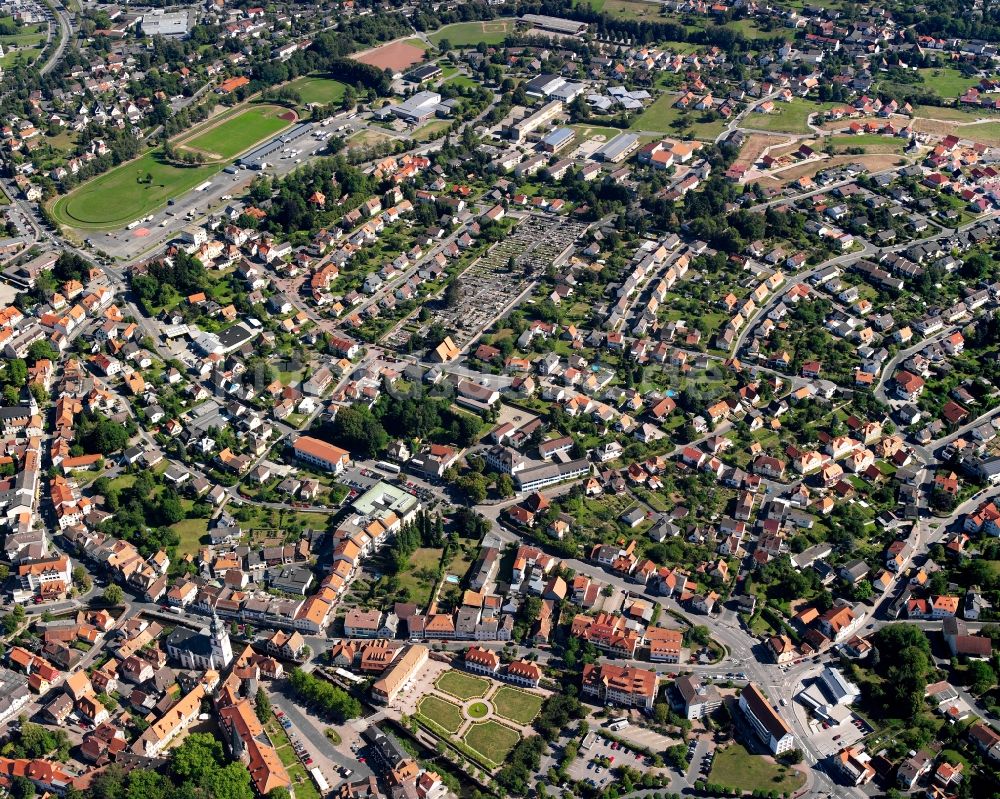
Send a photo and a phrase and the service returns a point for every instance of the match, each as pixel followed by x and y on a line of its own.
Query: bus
pixel 391 468
pixel 320 780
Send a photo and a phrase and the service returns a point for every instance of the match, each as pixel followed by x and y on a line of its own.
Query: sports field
pixel 128 192
pixel 397 56
pixel 232 136
pixel 318 89
pixel 469 34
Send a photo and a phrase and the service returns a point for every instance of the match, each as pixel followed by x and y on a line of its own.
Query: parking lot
pixel 831 740
pixel 587 768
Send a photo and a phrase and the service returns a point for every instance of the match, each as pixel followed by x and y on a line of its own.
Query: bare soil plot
pixel 755 146
pixel 396 56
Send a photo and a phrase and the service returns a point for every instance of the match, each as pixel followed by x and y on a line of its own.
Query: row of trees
pixel 332 701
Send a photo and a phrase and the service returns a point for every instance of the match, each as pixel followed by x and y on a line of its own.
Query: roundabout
pixel 476 711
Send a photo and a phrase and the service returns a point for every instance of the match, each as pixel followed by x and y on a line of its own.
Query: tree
pixel 22 788
pixel 113 594
pixel 196 757
pixel 229 782
pixel 263 704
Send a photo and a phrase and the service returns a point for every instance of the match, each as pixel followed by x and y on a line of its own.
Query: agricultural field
pixel 627 9
pixel 128 192
pixel 492 740
pixel 232 136
pixel 663 117
pixel 462 686
pixel 317 89
pixel 516 705
pixel 469 34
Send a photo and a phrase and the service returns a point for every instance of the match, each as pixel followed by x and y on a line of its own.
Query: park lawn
pixel 787 117
pixel 191 532
pixel 462 686
pixel 469 34
pixel 663 117
pixel 230 138
pixel 735 767
pixel 318 89
pixel 445 714
pixel 946 81
pixel 129 191
pixel 492 740
pixel 984 132
pixel 519 706
pixel 421 575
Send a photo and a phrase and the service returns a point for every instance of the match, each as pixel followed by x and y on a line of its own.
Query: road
pixel 890 367
pixel 65 25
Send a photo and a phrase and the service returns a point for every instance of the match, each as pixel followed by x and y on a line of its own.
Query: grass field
pixel 318 89
pixel 870 143
pixel 627 9
pixel 478 710
pixel 985 133
pixel 128 192
pixel 446 715
pixel 661 116
pixel 421 575
pixel 519 706
pixel 191 531
pixel 240 132
pixel 462 686
pixel 587 132
pixel 947 81
pixel 948 114
pixel 787 117
pixel 425 132
pixel 735 767
pixel 492 740
pixel 469 34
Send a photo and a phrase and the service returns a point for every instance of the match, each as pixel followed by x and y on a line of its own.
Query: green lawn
pixel 519 706
pixel 462 686
pixel 446 715
pixel 663 117
pixel 231 137
pixel 318 89
pixel 947 81
pixel 128 192
pixel 469 34
pixel 191 531
pixel 735 767
pixel 492 740
pixel 478 710
pixel 787 117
